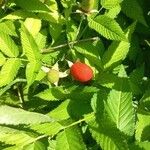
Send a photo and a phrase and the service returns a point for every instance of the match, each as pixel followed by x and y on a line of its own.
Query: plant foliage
pixel 110 112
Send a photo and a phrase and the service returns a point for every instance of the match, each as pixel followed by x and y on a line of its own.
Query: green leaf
pixel 33 145
pixel 137 74
pixel 32 70
pixel 2 59
pixel 71 30
pixel 68 3
pixel 107 136
pixel 8 46
pixel 55 30
pixel 40 75
pixel 136 79
pixel 70 139
pixel 52 145
pixel 109 80
pixel 145 101
pixel 112 81
pixel 52 4
pixel 9 71
pixel 117 51
pixel 119 107
pixel 8 27
pixel 91 50
pixel 136 13
pixel 12 148
pixel 108 4
pixel 33 26
pixel 97 103
pixel 41 39
pixel 16 116
pixel 82 89
pixel 107 27
pixel 134 48
pixel 29 45
pixel 19 14
pixel 144 145
pixel 61 112
pixel 18 137
pixel 49 129
pixel 37 145
pixel 53 17
pixel 52 94
pixel 112 13
pixel 142 123
pixel 32 5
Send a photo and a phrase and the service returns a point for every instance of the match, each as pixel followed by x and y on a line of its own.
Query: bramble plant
pixel 43 108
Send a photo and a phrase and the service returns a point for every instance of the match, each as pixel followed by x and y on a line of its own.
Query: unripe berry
pixel 81 72
pixel 87 5
pixel 53 76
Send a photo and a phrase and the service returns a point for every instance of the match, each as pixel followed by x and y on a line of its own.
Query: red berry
pixel 81 72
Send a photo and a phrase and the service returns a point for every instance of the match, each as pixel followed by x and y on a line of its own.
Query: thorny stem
pixel 51 49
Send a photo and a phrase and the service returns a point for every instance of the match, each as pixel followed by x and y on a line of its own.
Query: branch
pixel 51 49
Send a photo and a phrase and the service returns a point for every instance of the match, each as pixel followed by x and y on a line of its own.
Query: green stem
pixel 71 44
pixel 90 116
pixel 51 49
pixel 20 95
pixel 79 27
pixel 22 59
pixel 2 91
pixel 79 121
pixel 87 24
pixel 83 32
